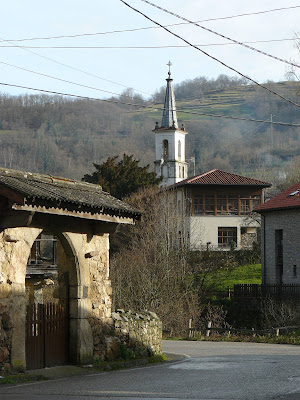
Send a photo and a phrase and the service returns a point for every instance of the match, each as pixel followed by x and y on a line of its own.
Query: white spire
pixel 169 119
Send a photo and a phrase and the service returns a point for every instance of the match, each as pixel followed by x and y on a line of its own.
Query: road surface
pixel 214 371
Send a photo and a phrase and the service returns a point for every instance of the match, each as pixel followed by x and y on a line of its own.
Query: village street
pixel 235 371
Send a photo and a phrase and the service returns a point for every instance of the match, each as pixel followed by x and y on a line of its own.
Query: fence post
pixel 208 330
pixel 229 292
pixel 190 328
pixel 277 331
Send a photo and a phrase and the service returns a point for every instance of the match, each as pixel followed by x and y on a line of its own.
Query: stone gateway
pixel 80 216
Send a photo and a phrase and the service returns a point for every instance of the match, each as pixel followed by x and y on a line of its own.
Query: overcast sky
pixel 142 69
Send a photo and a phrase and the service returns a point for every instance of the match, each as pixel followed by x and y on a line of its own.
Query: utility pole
pixel 271 133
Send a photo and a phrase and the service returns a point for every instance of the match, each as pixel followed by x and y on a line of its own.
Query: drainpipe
pixel 264 272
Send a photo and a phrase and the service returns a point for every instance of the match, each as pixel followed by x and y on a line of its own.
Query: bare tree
pixel 154 268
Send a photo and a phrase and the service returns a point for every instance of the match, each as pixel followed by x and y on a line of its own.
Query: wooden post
pixel 190 328
pixel 277 331
pixel 208 330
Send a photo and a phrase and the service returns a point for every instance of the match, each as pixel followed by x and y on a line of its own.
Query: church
pixel 216 206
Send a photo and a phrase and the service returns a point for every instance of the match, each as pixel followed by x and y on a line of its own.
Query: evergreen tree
pixel 122 178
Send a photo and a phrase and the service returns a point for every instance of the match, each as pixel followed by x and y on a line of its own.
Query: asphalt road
pixel 233 371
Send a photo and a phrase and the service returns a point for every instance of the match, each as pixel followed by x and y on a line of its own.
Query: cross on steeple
pixel 169 64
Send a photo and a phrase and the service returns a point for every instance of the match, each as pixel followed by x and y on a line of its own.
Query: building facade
pixel 218 208
pixel 280 228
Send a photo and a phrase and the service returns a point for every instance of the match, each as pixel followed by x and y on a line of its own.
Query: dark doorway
pixel 279 254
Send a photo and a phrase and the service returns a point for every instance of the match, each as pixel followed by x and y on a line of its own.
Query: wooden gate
pixel 46 335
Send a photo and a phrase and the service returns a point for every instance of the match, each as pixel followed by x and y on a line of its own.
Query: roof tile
pixel 62 190
pixel 289 198
pixel 218 177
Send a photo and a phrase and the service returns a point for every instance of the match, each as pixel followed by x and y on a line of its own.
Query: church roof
pixel 32 189
pixel 289 198
pixel 218 177
pixel 169 119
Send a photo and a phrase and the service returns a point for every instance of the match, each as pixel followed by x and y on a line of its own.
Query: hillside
pixel 63 136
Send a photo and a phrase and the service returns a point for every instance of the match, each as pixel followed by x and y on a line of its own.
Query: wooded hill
pixel 63 136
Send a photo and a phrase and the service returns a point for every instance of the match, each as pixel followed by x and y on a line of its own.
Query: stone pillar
pixel 15 245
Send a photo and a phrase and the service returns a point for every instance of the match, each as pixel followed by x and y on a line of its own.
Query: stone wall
pixel 141 331
pixel 288 221
pixel 127 334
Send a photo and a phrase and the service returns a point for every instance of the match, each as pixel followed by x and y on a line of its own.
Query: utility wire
pixel 210 56
pixel 183 110
pixel 152 27
pixel 70 67
pixel 58 79
pixel 147 47
pixel 221 35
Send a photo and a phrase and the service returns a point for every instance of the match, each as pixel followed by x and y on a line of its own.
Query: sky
pixel 103 71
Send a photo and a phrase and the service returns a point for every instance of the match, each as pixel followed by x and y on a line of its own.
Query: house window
pixel 165 149
pixel 225 204
pixel 222 205
pixel 43 251
pixel 209 204
pixel 198 205
pixel 249 203
pixel 233 205
pixel 227 237
pixel 294 271
pixel 279 254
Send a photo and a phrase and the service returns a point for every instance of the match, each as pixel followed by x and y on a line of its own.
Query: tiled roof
pixel 289 198
pixel 62 191
pixel 218 177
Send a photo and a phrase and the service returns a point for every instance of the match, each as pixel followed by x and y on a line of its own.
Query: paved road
pixel 214 371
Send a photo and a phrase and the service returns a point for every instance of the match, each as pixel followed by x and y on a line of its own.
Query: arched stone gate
pixel 82 217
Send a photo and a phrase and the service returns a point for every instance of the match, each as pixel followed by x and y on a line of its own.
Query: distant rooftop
pixel 218 177
pixel 289 198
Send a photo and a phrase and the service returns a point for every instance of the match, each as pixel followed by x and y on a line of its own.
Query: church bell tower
pixel 170 141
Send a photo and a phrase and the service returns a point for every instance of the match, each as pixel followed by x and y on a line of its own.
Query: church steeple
pixel 170 141
pixel 169 118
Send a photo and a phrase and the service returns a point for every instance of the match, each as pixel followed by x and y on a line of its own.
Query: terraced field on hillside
pixel 239 101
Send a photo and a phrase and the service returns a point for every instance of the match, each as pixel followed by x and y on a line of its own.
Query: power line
pixel 221 35
pixel 183 110
pixel 148 47
pixel 210 56
pixel 70 67
pixel 58 79
pixel 153 27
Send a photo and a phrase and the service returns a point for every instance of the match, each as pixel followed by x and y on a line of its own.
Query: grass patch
pixel 224 278
pixel 249 274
